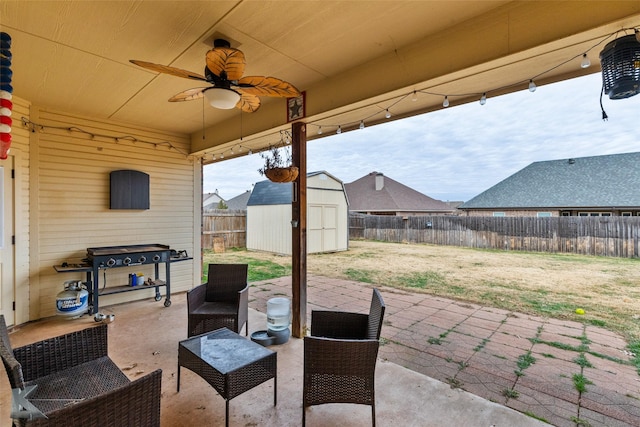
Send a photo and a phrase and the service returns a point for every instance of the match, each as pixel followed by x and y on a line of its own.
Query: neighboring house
pixel 583 186
pixel 239 203
pixel 376 194
pixel 269 216
pixel 211 201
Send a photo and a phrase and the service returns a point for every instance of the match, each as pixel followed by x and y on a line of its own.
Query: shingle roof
pixel 239 202
pixel 598 181
pixel 393 196
pixel 270 193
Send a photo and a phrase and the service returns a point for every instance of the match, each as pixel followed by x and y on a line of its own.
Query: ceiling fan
pixel 223 71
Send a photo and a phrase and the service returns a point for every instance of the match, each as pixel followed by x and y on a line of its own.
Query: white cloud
pixel 458 152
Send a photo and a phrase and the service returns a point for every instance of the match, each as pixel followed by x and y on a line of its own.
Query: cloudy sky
pixel 458 152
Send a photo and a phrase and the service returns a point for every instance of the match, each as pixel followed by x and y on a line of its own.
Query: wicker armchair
pixel 77 384
pixel 340 357
pixel 221 302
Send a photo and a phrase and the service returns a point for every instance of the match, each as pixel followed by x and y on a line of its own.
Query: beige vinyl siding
pixel 71 194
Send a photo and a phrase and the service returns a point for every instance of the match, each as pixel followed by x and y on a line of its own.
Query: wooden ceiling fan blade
pixel 226 59
pixel 267 86
pixel 189 94
pixel 248 103
pixel 178 72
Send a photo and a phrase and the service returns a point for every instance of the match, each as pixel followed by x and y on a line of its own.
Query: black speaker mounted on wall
pixel 129 190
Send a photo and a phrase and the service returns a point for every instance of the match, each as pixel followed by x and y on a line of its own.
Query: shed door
pixel 322 228
pixel 314 229
pixel 330 228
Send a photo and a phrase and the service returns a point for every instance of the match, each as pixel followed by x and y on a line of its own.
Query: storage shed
pixel 269 216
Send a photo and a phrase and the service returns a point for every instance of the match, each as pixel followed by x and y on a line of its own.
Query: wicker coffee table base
pixel 251 369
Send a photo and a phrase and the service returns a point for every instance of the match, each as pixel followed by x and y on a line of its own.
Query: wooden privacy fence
pixel 603 236
pixel 223 228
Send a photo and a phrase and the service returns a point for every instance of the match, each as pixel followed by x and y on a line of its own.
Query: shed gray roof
pixel 392 197
pixel 276 193
pixel 270 193
pixel 598 181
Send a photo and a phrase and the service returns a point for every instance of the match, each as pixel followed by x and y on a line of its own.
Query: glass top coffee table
pixel 230 363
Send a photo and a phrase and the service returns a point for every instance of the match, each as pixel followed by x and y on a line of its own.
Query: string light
pixel 33 127
pixel 585 63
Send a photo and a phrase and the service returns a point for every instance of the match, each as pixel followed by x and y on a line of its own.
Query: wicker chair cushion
pixel 76 384
pixel 219 308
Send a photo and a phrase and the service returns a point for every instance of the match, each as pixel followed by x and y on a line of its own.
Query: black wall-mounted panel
pixel 129 190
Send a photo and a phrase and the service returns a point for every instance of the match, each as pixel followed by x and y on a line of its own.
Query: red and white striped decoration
pixel 6 91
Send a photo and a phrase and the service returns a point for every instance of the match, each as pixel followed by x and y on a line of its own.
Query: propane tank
pixel 73 302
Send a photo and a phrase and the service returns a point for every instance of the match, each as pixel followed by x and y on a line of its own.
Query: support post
pixel 299 230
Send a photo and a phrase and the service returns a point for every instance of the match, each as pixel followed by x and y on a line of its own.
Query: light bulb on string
pixel 445 103
pixel 319 130
pixel 339 129
pixel 414 97
pixel 532 86
pixel 222 155
pixel 483 99
pixel 387 114
pixel 250 151
pixel 586 62
pixel 361 124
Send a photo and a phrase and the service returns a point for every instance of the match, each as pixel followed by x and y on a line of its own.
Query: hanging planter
pixel 287 174
pixel 277 165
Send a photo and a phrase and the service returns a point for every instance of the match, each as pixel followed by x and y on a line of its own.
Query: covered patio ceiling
pixel 354 59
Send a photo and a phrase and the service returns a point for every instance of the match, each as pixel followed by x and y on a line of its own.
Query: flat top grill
pixel 126 249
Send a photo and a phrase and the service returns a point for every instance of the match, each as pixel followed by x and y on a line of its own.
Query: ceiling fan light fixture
pixel 219 97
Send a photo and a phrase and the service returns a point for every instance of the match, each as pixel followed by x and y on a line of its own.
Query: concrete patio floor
pixel 480 349
pixel 433 350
